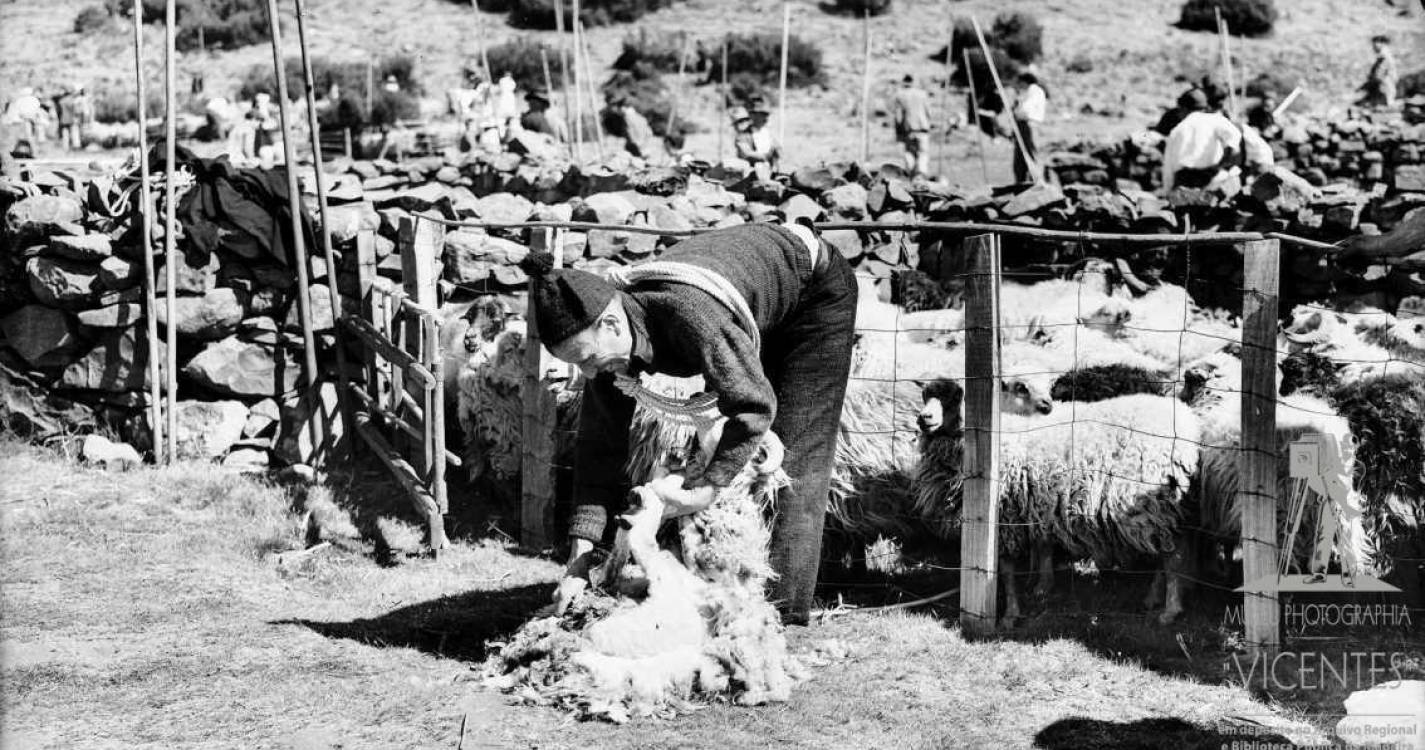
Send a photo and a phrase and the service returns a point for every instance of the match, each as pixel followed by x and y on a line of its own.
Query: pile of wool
pixel 668 631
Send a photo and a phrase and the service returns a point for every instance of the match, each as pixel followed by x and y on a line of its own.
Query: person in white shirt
pixel 1032 107
pixel 1200 147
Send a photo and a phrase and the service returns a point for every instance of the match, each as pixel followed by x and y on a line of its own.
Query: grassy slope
pixel 145 609
pixel 1134 52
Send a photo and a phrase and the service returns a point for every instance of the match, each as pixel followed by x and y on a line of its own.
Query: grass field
pixel 1130 54
pixel 155 608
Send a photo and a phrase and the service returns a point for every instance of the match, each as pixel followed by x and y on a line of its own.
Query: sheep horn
pixel 774 453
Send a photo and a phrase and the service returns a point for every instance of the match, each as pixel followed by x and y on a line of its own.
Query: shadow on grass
pixel 1148 734
pixel 451 627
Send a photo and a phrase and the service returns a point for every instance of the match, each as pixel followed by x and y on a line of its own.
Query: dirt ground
pixel 162 608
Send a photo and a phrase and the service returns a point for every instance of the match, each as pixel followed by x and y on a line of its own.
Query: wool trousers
pixel 808 360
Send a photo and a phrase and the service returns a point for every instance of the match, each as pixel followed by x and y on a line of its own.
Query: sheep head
pixel 1308 371
pixel 1410 332
pixel 487 317
pixel 1111 318
pixel 1026 395
pixel 1312 327
pixel 940 413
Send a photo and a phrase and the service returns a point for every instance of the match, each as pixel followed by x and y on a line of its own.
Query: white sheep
pixel 1104 480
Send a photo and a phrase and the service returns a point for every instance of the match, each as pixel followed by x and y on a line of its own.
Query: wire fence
pixel 1191 359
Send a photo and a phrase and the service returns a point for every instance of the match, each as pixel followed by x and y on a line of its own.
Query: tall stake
pixel 945 100
pixel 593 90
pixel 370 86
pixel 782 84
pixel 294 204
pixel 866 89
pixel 1004 99
pixel 328 255
pixel 155 369
pixel 170 217
pixel 975 112
pixel 677 94
pixel 1222 33
pixel 722 99
pixel 578 97
pixel 548 80
pixel 563 50
pixel 480 40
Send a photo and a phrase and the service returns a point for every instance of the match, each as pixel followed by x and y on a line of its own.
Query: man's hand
pixel 576 577
pixel 679 501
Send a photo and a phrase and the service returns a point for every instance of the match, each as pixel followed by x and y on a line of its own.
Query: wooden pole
pixel 539 420
pixel 866 88
pixel 975 112
pixel 575 79
pixel 678 92
pixel 294 206
pixel 945 101
pixel 782 80
pixel 1258 459
pixel 170 219
pixel 722 100
pixel 346 140
pixel 565 75
pixel 1004 99
pixel 145 211
pixel 548 79
pixel 435 426
pixel 979 557
pixel 328 253
pixel 1222 33
pixel 370 87
pixel 480 40
pixel 592 88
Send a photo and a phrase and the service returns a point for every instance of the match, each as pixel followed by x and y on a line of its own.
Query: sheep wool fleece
pixel 794 386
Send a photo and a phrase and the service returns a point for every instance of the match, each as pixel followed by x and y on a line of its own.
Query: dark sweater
pixel 682 331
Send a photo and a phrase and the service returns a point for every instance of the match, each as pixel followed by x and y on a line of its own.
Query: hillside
pixel 1131 51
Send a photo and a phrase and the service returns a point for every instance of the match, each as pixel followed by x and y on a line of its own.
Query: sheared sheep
pixel 1104 480
pixel 697 627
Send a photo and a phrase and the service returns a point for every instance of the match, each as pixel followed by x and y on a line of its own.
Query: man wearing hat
pixel 765 315
pixel 756 144
pixel 1200 146
pixel 536 119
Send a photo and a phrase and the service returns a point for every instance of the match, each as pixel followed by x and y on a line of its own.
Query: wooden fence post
pixel 979 575
pixel 540 419
pixel 1258 459
pixel 421 242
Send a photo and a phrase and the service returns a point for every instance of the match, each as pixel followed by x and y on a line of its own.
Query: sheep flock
pixel 1119 445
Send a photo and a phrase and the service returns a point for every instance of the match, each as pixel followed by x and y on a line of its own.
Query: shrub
pixel 760 55
pixel 1269 83
pixel 117 101
pixel 92 18
pixel 646 54
pixel 650 97
pixel 859 8
pixel 212 24
pixel 539 14
pixel 1412 84
pixel 1243 17
pixel 1019 35
pixel 1080 63
pixel 520 57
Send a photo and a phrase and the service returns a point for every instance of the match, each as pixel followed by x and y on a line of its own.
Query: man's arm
pixel 600 452
pixel 732 368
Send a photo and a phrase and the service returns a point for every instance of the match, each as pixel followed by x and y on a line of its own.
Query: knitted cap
pixel 566 300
